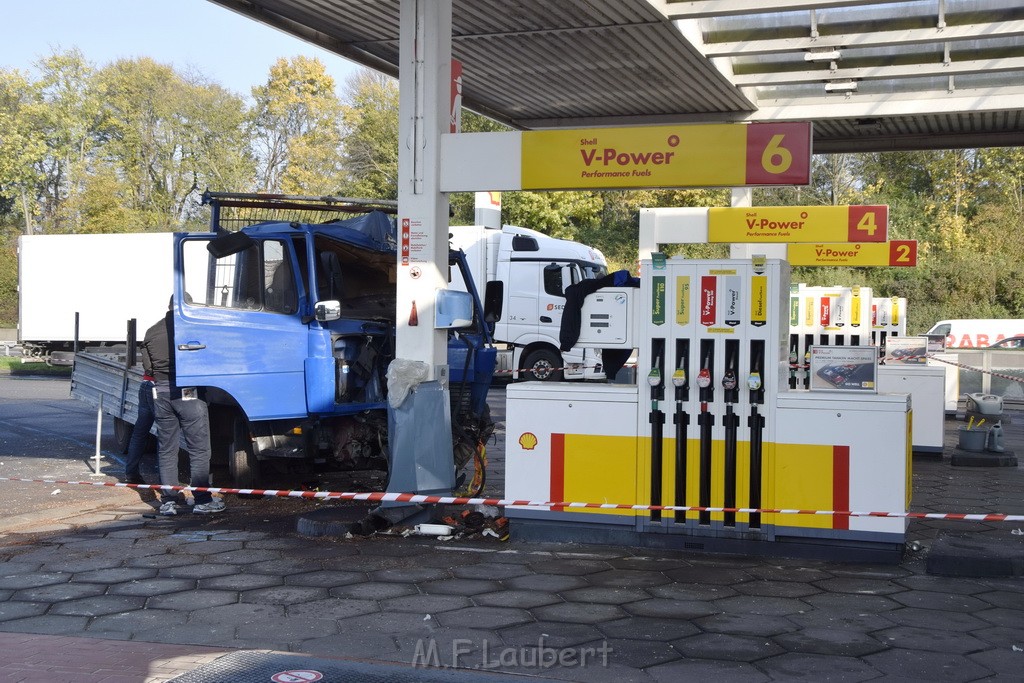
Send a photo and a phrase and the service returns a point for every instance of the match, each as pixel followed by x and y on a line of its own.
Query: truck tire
pixel 542 365
pixel 122 434
pixel 243 467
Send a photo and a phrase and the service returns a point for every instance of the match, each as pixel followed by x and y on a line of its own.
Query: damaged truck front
pixel 287 329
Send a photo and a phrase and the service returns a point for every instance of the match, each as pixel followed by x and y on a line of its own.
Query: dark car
pixel 1009 343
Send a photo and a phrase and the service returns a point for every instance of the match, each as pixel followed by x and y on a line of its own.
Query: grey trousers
pixel 177 418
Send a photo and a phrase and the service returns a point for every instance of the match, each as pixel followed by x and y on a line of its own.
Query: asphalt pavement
pixel 238 595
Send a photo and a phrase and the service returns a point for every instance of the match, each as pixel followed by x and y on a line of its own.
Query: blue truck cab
pixel 287 329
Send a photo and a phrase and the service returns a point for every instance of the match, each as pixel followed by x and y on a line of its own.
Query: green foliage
pixel 295 123
pixel 370 146
pixel 8 285
pixel 22 142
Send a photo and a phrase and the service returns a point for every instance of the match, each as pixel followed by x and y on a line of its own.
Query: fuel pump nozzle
pixel 729 379
pixel 704 378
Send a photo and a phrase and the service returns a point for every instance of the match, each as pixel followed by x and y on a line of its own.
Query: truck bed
pixel 105 377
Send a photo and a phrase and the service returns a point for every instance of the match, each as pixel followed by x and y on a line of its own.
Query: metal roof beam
pixel 1004 29
pixel 856 105
pixel 879 72
pixel 696 9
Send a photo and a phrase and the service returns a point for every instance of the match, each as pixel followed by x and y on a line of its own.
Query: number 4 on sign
pixel 868 223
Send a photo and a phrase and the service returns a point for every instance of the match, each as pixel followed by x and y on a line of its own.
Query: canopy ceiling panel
pixel 876 75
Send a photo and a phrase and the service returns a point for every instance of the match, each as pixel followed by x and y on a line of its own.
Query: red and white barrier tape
pixel 502 502
pixel 974 369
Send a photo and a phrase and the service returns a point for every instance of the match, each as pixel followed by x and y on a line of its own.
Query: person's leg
pixel 195 424
pixel 140 435
pixel 168 435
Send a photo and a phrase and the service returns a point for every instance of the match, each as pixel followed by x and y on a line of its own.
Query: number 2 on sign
pixel 903 253
pixel 776 158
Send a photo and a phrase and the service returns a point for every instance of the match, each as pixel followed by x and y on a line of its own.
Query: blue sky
pixel 226 47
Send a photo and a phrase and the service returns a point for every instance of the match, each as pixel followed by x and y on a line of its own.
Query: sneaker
pixel 215 505
pixel 169 509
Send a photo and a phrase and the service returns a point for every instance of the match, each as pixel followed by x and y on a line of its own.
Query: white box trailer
pixel 106 279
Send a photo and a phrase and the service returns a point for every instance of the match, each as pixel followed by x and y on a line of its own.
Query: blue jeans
pixel 140 433
pixel 177 418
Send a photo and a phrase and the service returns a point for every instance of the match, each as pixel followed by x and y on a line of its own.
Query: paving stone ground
pixel 117 597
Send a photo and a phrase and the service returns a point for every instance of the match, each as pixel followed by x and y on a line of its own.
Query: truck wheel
pixel 243 467
pixel 542 364
pixel 122 434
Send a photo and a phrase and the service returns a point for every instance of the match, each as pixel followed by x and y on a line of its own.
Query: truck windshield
pixel 361 280
pixel 592 271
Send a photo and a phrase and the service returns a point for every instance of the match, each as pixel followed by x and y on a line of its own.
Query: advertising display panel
pixel 844 368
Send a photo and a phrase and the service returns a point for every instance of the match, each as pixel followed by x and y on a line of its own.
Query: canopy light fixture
pixel 822 55
pixel 872 124
pixel 840 86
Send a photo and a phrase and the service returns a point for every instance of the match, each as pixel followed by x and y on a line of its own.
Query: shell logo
pixel 528 441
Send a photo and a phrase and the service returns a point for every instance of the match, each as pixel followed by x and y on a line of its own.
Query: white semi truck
pixel 97 282
pixel 527 272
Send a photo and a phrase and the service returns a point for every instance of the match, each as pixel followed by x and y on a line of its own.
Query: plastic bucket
pixel 973 439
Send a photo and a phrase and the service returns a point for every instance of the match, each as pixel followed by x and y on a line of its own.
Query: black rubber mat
pixel 254 666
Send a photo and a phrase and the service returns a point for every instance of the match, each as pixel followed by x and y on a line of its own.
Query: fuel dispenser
pixel 852 316
pixel 712 422
pixel 825 316
pixel 714 353
pixel 888 319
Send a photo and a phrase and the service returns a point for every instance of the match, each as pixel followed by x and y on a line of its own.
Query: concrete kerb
pixel 106 499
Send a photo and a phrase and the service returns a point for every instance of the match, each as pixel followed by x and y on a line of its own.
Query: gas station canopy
pixel 872 75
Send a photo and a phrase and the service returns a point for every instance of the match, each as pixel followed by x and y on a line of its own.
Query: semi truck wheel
pixel 243 467
pixel 542 364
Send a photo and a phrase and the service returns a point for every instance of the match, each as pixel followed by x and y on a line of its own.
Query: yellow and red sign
pixel 898 253
pixel 706 155
pixel 794 224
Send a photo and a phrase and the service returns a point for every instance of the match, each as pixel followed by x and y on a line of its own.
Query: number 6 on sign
pixel 776 158
pixel 778 153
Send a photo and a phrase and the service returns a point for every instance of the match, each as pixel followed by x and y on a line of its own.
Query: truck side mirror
pixel 494 293
pixel 229 243
pixel 326 311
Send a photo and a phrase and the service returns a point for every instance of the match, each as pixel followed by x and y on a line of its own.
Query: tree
pixel 370 145
pixel 68 118
pixel 216 145
pixel 167 138
pixel 22 143
pixel 294 124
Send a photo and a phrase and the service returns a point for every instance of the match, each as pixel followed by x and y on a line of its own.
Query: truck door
pixel 537 298
pixel 238 326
